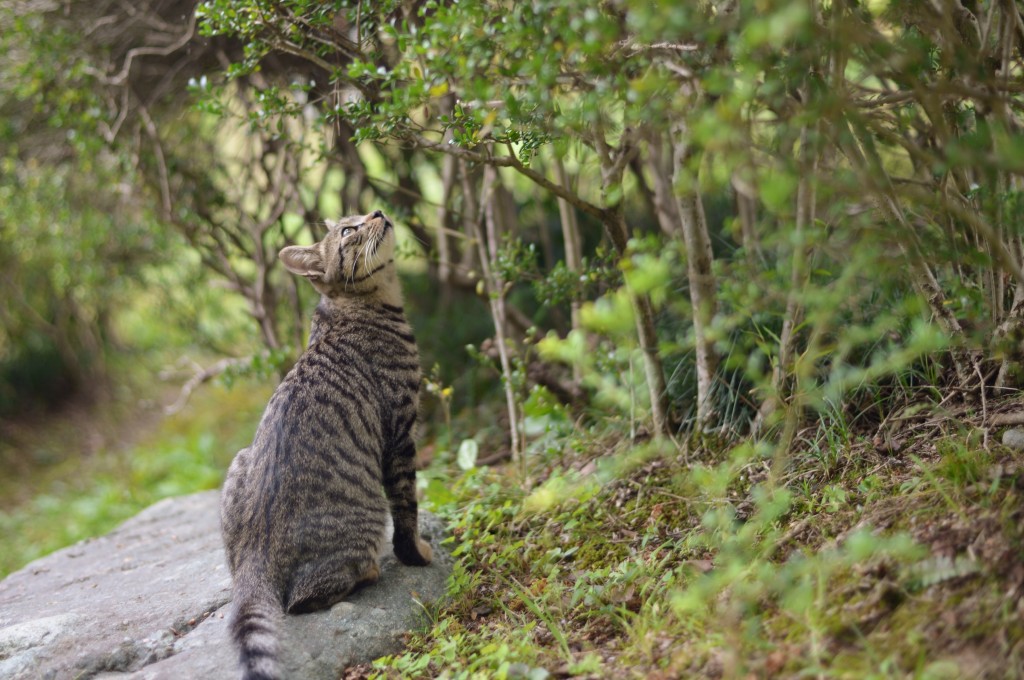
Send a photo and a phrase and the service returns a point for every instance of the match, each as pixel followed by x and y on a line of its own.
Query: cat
pixel 304 507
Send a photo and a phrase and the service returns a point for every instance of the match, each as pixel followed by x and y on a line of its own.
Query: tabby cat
pixel 303 509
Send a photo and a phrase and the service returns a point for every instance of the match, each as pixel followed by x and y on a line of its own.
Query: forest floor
pixel 896 553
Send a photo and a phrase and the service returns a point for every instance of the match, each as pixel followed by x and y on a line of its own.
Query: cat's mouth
pixel 378 238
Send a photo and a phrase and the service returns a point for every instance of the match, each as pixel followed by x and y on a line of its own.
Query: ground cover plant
pixel 623 560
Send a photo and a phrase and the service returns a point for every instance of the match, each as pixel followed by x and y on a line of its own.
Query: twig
pixel 161 161
pixel 122 75
pixel 513 162
pixel 204 375
pixel 984 405
pixel 1001 419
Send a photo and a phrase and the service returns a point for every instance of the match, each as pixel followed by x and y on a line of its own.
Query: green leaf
pixel 466 457
pixel 778 190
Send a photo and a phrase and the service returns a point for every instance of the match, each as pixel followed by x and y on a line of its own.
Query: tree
pixel 871 155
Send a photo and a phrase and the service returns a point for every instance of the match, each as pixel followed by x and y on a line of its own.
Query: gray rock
pixel 147 601
pixel 1014 439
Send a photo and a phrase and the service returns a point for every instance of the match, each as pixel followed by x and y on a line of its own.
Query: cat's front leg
pixel 400 486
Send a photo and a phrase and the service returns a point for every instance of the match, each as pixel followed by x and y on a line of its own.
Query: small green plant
pixel 962 464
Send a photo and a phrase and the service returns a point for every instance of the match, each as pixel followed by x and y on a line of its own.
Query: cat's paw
pixel 426 552
pixel 415 553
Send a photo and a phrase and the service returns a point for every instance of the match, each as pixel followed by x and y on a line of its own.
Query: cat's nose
pixel 376 214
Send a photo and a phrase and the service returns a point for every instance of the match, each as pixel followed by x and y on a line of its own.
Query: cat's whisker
pixel 366 256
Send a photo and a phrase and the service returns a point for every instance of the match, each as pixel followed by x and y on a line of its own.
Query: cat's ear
pixel 304 261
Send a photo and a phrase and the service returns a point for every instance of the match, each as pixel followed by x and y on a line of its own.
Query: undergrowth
pixel 599 559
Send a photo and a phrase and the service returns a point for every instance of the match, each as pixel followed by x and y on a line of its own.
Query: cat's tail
pixel 255 619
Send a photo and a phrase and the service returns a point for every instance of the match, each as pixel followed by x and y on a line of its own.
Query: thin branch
pixel 161 162
pixel 126 67
pixel 511 161
pixel 204 375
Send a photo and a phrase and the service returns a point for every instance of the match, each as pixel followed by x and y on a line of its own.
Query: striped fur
pixel 304 508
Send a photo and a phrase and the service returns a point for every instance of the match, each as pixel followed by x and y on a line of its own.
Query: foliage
pixel 867 152
pixel 84 247
pixel 67 268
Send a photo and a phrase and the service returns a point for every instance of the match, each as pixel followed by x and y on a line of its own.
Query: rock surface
pixel 147 601
pixel 1014 439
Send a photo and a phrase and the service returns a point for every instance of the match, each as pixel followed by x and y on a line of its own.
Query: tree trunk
pixel 353 168
pixel 646 333
pixel 449 175
pixel 746 209
pixel 805 199
pixel 573 249
pixel 444 250
pixel 470 221
pixel 680 212
pixel 613 163
pixel 488 252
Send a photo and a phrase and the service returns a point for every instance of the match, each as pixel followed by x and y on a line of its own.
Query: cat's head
pixel 356 257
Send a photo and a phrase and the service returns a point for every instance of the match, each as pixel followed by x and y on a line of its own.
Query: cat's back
pixel 339 398
pixel 312 478
pixel 362 359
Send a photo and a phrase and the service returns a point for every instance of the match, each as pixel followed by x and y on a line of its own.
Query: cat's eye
pixel 347 230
